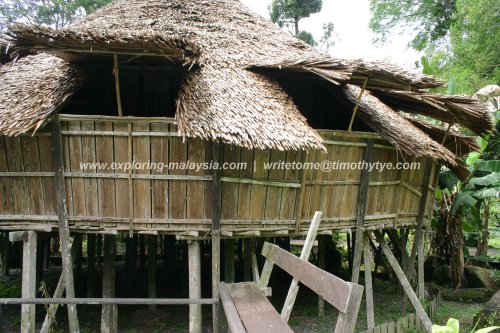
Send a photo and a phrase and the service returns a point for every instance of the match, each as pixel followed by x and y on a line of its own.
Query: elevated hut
pixel 116 123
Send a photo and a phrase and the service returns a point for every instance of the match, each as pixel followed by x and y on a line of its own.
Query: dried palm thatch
pixel 461 110
pixel 46 92
pixel 397 129
pixel 379 75
pixel 223 99
pixel 455 141
pixel 66 42
pixel 4 51
pixel 205 93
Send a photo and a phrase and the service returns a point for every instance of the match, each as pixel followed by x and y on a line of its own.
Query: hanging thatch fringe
pixel 399 131
pixel 461 110
pixel 33 89
pixel 64 42
pixel 454 141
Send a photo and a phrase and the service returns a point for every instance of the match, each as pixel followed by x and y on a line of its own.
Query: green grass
pixel 462 311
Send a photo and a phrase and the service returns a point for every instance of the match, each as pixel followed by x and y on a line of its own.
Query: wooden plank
pixel 196 188
pixel 333 289
pixel 121 187
pixel 289 195
pixel 258 192
pixel 109 314
pixel 304 256
pixel 89 155
pixel 322 241
pixel 6 194
pixel 233 318
pixel 195 319
pixel 64 236
pixel 346 322
pixel 75 159
pixel 46 165
pixel 28 289
pixel 31 162
pixel 404 281
pixel 142 188
pixel 367 255
pixel 160 154
pixel 256 312
pixel 20 193
pixel 244 191
pixel 273 197
pixel 360 212
pixel 105 154
pixel 229 208
pixel 178 189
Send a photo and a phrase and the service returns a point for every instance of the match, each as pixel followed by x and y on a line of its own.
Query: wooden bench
pixel 247 308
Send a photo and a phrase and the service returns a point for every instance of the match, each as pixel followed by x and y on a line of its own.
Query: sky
pixel 353 38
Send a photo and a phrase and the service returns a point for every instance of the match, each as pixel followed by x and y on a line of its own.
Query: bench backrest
pixel 333 289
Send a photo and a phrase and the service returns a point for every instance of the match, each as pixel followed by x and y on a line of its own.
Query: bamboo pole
pixel 195 320
pixel 357 104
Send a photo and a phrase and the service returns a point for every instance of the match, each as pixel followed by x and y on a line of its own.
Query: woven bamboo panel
pixel 254 198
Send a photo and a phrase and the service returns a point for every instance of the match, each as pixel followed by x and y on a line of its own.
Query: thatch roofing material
pixel 270 118
pixel 64 42
pixel 33 89
pixel 398 130
pixel 453 140
pixel 461 110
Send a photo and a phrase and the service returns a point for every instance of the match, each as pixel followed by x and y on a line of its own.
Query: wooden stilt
pixel 4 254
pixel 142 252
pixel 321 263
pixel 367 255
pixel 58 293
pixel 109 315
pixel 40 247
pixel 216 212
pixel 91 261
pixel 360 213
pixel 229 260
pixel 152 247
pixel 247 257
pixel 420 269
pixel 253 260
pixel 29 282
pixel 194 286
pixel 404 281
pixel 98 250
pixel 62 213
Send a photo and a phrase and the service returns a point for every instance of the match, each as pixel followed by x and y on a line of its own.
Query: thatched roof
pixel 230 96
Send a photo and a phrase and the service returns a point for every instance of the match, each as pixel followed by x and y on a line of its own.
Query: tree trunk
pixel 482 246
pixel 296 22
pixel 457 262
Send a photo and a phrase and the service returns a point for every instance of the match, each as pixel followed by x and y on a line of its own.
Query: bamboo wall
pixel 255 201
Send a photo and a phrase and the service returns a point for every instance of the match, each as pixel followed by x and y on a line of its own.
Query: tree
pixel 290 12
pixel 54 13
pixel 307 37
pixel 461 38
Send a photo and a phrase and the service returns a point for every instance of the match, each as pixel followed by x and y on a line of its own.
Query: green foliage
pixel 453 326
pixel 461 38
pixel 307 37
pixel 54 13
pixel 290 12
pixel 429 19
pixel 10 289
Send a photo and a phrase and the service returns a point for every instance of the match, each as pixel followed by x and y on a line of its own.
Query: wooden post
pixel 98 250
pixel 404 281
pixel 194 286
pixel 58 293
pixel 322 240
pixel 253 260
pixel 304 255
pixel 360 213
pixel 152 247
pixel 367 255
pixel 109 315
pixel 420 269
pixel 229 260
pixel 62 213
pixel 4 254
pixel 40 248
pixel 91 271
pixel 29 282
pixel 216 211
